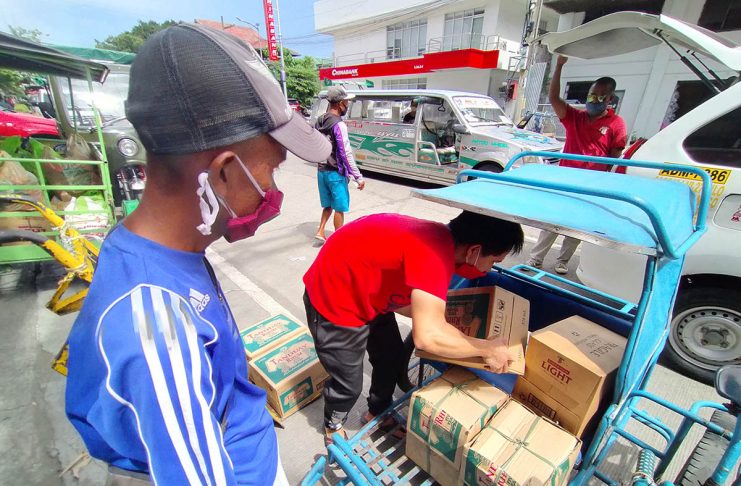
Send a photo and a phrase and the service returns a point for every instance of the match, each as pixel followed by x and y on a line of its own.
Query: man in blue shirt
pixel 157 381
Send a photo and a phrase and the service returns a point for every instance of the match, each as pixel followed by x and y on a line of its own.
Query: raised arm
pixel 554 91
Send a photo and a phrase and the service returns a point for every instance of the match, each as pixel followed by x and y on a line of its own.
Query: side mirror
pixel 460 129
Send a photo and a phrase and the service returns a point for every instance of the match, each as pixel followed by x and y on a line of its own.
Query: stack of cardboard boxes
pixel 282 360
pixel 531 437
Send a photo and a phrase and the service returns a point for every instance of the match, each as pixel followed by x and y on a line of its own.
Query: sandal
pixel 389 424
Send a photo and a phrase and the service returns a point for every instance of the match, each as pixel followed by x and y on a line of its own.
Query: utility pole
pixel 256 25
pixel 282 53
pixel 533 16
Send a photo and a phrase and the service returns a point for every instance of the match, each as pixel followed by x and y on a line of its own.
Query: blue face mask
pixel 595 108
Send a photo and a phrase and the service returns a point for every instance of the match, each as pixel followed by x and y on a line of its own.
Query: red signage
pixel 270 30
pixel 465 58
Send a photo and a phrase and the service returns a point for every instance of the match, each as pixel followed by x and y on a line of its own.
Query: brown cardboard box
pixel 570 366
pixel 488 312
pixel 290 373
pixel 444 416
pixel 519 448
pixel 31 223
pixel 268 334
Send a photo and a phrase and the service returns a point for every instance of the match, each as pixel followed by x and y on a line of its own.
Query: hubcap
pixel 708 337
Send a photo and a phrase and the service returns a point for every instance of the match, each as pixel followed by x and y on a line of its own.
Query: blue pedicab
pixel 652 217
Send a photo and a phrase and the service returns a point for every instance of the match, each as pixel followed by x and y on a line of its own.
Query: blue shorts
pixel 333 191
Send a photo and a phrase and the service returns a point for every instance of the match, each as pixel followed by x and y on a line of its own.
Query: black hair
pixel 496 236
pixel 607 81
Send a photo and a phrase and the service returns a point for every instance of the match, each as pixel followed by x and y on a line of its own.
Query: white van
pixel 706 327
pixel 449 132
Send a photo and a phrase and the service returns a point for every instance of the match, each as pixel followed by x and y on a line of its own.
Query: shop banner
pixel 270 30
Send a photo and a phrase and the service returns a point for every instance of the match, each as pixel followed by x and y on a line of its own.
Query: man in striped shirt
pixel 157 384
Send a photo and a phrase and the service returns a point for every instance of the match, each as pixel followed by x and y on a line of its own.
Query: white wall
pixel 648 77
pixel 330 15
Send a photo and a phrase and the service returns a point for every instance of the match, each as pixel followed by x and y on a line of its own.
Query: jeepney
pixel 450 131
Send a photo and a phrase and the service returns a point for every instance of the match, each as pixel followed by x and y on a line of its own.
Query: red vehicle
pixel 27 125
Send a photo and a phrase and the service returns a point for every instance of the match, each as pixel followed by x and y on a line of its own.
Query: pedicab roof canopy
pixel 626 32
pixel 25 55
pixel 637 214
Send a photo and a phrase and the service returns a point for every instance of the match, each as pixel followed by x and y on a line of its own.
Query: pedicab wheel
pixel 705 332
pixel 707 453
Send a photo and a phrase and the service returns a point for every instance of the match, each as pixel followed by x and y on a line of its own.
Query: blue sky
pixel 81 22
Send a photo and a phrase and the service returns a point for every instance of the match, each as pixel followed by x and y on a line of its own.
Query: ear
pixel 220 169
pixel 473 251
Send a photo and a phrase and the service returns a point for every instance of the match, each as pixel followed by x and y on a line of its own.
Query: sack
pixel 73 174
pixel 94 224
pixel 12 173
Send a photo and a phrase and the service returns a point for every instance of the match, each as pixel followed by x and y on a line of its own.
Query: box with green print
pixel 444 416
pixel 519 448
pixel 290 373
pixel 271 332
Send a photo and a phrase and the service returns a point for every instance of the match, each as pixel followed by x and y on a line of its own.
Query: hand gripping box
pixel 485 313
pixel 444 416
pixel 570 367
pixel 290 373
pixel 268 334
pixel 519 448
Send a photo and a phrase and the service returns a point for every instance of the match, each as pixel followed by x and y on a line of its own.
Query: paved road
pixel 261 276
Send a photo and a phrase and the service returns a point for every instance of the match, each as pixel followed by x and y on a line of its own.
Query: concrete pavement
pixel 260 276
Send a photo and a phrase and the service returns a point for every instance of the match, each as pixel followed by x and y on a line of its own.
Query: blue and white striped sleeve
pixel 158 367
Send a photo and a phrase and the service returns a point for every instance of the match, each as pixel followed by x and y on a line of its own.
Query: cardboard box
pixel 268 334
pixel 570 366
pixel 488 312
pixel 290 373
pixel 519 448
pixel 27 223
pixel 444 416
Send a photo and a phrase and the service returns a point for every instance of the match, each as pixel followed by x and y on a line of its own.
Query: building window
pixel 405 83
pixel 463 30
pixel 721 15
pixel 407 39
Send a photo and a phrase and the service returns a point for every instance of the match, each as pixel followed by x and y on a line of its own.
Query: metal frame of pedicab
pixel 23 55
pixel 363 465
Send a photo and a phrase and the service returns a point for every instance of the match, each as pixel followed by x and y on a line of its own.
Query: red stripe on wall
pixel 465 58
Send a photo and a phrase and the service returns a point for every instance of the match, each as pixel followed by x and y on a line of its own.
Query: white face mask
pixel 210 208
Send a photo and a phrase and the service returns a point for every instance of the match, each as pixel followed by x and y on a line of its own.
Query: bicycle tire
pixel 707 453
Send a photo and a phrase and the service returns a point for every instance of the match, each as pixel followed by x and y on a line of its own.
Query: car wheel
pixel 705 332
pixel 487 167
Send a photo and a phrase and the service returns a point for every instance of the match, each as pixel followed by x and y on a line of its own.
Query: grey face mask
pixel 594 109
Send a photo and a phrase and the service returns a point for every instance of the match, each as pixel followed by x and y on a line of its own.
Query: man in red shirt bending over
pixel 595 131
pixel 387 263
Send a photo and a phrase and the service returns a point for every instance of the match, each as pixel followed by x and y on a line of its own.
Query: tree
pixel 131 40
pixel 302 77
pixel 11 82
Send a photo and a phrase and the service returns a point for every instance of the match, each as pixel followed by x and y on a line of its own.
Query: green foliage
pixel 28 34
pixel 131 40
pixel 302 77
pixel 11 82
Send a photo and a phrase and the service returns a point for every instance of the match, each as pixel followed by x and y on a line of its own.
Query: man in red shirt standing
pixel 596 131
pixel 387 263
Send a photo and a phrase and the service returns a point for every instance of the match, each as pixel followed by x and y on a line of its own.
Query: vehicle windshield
pixel 481 111
pixel 109 99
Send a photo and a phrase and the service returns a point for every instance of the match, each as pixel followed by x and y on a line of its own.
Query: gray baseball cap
pixel 193 88
pixel 336 94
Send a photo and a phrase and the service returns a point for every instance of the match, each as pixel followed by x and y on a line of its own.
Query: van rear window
pixel 718 142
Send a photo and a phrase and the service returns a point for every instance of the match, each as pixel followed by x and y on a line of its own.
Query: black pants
pixel 341 350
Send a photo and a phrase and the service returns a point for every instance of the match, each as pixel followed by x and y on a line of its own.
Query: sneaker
pixel 561 268
pixel 534 263
pixel 329 432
